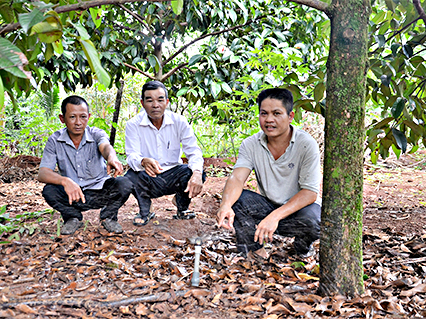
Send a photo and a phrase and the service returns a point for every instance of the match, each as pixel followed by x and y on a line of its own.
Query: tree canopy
pixel 218 52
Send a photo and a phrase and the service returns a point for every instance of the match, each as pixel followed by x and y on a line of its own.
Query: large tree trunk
pixel 341 220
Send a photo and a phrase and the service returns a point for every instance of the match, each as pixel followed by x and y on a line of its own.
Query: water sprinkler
pixel 195 280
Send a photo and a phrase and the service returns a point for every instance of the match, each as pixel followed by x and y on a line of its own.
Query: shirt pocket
pixel 173 155
pixel 94 167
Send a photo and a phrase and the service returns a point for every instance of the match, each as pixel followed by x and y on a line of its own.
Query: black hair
pixel 153 85
pixel 280 94
pixel 73 99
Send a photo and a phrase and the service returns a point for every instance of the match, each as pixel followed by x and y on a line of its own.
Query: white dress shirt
pixel 143 139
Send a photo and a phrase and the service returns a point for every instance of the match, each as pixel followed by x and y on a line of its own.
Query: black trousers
pixel 251 208
pixel 172 181
pixel 110 198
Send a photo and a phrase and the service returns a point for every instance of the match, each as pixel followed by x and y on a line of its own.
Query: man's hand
pixel 113 162
pixel 195 184
pixel 225 218
pixel 152 167
pixel 73 190
pixel 266 229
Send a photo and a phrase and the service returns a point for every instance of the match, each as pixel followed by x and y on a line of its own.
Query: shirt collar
pixel 64 137
pixel 145 121
pixel 264 141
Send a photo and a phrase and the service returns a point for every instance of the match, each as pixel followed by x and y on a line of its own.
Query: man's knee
pixel 51 192
pixel 245 200
pixel 124 184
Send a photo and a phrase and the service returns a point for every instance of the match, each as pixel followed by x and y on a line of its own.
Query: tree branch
pixel 183 48
pixel 81 6
pixel 396 33
pixel 140 71
pixel 173 71
pixel 402 29
pixel 319 5
pixel 420 10
pixel 139 18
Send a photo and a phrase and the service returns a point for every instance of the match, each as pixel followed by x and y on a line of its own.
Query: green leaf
pixel 182 91
pixel 383 123
pixel 95 63
pixel 397 107
pixel 194 59
pixel 177 6
pixel 408 50
pixel 396 151
pixel 381 40
pixel 394 48
pixel 96 15
pixel 12 59
pixel 5 12
pixel 152 60
pixel 1 108
pixel 226 88
pixel 400 138
pixel 232 15
pixel 58 47
pixel 49 30
pixel 84 35
pixel 27 20
pixel 386 79
pixel 234 58
pixel 319 92
pixel 49 51
pixel 215 87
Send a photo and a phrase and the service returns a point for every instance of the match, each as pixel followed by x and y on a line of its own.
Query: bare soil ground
pixel 93 274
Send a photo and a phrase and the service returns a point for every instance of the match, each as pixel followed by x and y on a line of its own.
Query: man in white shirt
pixel 153 148
pixel 286 162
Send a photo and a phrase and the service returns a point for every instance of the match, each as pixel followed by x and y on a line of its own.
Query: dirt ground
pixel 393 197
pixel 394 204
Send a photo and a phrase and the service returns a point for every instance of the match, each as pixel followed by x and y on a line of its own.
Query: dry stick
pixel 410 261
pixel 79 303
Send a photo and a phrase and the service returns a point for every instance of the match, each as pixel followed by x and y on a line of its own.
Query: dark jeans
pixel 110 198
pixel 172 181
pixel 251 208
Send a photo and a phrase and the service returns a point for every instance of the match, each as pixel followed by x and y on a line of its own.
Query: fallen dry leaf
pixel 25 308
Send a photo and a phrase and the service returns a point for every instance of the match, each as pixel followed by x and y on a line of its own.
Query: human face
pixel 75 118
pixel 155 103
pixel 274 120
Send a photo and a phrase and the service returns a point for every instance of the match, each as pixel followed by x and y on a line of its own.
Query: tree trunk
pixel 158 52
pixel 341 220
pixel 116 112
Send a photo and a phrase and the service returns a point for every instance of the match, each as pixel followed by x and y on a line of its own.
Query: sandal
pixel 145 219
pixel 186 214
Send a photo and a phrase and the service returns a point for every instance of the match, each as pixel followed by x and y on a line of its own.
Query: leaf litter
pixel 146 273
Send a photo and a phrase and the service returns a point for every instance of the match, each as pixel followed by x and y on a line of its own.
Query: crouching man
pixel 286 162
pixel 153 148
pixel 83 181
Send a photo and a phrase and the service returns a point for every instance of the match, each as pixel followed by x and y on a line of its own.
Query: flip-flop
pixel 186 214
pixel 145 219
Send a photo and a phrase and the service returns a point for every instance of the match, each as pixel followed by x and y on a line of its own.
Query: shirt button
pixel 81 179
pixel 78 165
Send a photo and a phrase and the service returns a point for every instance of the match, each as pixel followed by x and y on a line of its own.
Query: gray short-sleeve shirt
pixel 279 180
pixel 85 165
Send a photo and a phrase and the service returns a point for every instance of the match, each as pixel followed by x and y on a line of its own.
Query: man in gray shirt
pixel 83 181
pixel 286 162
